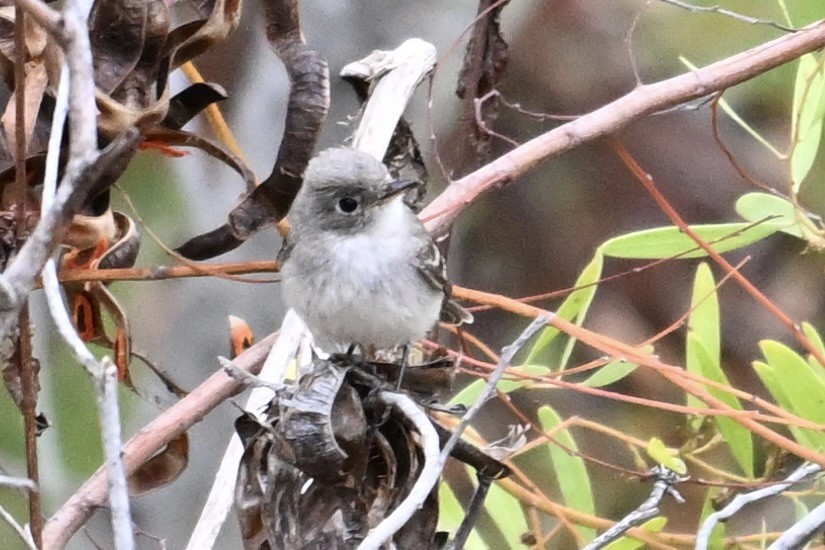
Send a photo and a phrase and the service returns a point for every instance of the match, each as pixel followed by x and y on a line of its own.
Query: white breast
pixel 373 295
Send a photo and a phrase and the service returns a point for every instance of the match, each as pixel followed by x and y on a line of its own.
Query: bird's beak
pixel 397 187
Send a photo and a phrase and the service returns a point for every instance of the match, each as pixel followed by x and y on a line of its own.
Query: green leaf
pixel 451 514
pixel 704 318
pixel 574 308
pixel 737 437
pixel 797 379
pixel 807 117
pixel 610 373
pixel 813 335
pixel 507 384
pixel 571 473
pixel 703 357
pixel 653 525
pixel 756 207
pixel 667 457
pixel 775 384
pixel 669 241
pixel 506 511
pixel 815 339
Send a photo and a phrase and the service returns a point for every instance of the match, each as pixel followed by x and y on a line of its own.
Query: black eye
pixel 347 205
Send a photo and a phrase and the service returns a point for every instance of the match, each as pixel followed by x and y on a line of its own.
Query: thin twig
pixel 162 272
pixel 672 373
pixel 219 501
pixel 802 531
pixel 665 480
pixel 641 101
pixel 507 355
pixel 26 369
pixel 17 282
pixel 149 440
pixel 104 374
pixel 740 501
pixel 22 483
pixel 21 532
pixel 430 472
pixel 728 13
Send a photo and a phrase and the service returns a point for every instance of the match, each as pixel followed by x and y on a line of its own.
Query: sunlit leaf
pixel 774 380
pixel 737 437
pixel 667 457
pixel 807 117
pixel 451 514
pixel 610 373
pixel 653 525
pixel 574 308
pixel 570 471
pixel 670 241
pixel 507 514
pixel 756 207
pixel 798 380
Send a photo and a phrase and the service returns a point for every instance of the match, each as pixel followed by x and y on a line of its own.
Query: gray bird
pixel 358 266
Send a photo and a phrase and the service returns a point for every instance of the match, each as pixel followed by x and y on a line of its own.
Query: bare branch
pixel 149 440
pixel 219 501
pixel 431 472
pixel 665 481
pixel 21 483
pixel 606 120
pixel 21 532
pixel 740 501
pixel 728 13
pixel 802 531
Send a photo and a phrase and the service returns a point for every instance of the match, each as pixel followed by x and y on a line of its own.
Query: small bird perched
pixel 358 266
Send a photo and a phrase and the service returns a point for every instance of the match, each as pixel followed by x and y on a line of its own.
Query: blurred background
pixel 566 57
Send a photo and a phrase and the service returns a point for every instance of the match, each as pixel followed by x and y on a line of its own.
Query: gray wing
pixel 433 270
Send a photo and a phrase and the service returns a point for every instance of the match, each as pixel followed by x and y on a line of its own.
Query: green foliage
pixel 569 469
pixel 797 385
pixel 504 507
pixel 653 525
pixel 703 357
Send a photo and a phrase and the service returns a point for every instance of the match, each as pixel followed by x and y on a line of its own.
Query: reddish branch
pixel 677 220
pixel 606 120
pixel 642 101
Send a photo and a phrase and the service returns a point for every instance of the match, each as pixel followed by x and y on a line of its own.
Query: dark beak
pixel 396 187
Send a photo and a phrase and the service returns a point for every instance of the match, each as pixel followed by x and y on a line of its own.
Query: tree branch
pixel 149 440
pixel 642 101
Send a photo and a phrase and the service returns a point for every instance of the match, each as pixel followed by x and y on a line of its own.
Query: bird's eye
pixel 347 205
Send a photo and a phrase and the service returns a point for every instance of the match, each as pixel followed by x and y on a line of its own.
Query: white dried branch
pixel 219 501
pixel 740 501
pixel 802 531
pixel 18 280
pixel 665 482
pixel 431 471
pixel 21 483
pixel 21 532
pixel 400 72
pixel 103 373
